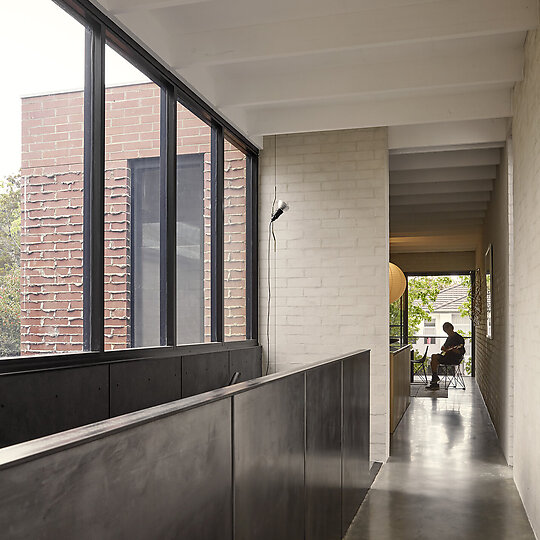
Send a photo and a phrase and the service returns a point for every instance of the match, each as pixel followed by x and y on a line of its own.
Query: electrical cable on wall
pixel 270 231
pixel 270 234
pixel 281 207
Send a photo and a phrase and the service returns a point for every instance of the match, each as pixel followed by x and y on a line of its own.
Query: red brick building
pixel 52 223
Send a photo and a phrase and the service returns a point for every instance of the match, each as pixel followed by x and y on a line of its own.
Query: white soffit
pixel 439 195
pixel 485 133
pixel 290 66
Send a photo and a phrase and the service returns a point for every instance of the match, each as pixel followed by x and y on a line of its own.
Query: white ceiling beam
pixel 408 139
pixel 448 174
pixel 447 198
pixel 350 114
pixel 442 187
pixel 432 228
pixel 278 8
pixel 462 241
pixel 396 211
pixel 431 215
pixel 378 26
pixel 402 220
pixel 464 232
pixel 434 160
pixel 119 7
pixel 438 238
pixel 447 148
pixel 436 229
pixel 377 78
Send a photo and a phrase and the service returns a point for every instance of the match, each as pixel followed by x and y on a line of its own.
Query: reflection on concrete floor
pixel 446 478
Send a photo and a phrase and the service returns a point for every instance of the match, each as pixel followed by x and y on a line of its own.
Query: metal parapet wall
pixel 284 456
pixel 42 400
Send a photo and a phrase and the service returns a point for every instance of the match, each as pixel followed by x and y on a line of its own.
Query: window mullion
pixel 168 218
pixel 94 180
pixel 217 231
pixel 252 248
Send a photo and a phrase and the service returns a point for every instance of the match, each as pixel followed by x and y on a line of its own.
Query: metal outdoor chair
pixel 418 367
pixel 453 376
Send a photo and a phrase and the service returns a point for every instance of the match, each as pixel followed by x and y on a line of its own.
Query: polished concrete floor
pixel 446 478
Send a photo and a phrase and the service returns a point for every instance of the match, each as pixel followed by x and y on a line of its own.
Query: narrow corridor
pixel 446 478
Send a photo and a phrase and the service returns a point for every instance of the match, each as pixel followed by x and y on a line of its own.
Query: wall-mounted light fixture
pixel 282 206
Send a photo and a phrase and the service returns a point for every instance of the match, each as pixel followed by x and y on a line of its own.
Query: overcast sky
pixel 42 52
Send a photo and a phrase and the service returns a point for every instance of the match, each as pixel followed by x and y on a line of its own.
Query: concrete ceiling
pixel 439 73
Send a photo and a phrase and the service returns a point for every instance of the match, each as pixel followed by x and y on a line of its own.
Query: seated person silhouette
pixel 452 354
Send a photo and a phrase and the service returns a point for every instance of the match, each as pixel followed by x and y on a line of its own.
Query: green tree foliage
pixel 10 221
pixel 10 312
pixel 395 318
pixel 10 289
pixel 423 291
pixel 465 309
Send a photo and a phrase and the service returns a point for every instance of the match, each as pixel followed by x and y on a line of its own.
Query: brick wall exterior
pixel 51 224
pixel 330 264
pixel 52 220
pixel 234 266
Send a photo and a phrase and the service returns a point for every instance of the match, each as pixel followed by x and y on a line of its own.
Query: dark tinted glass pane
pixel 132 207
pixel 193 234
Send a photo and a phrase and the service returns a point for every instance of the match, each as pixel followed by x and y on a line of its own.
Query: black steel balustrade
pixel 284 456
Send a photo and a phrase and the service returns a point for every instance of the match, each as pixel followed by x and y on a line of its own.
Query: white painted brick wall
pixel 329 276
pixel 526 135
pixel 495 356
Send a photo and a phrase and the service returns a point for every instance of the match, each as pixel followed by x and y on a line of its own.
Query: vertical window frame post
pixel 94 189
pixel 167 224
pixel 217 226
pixel 252 246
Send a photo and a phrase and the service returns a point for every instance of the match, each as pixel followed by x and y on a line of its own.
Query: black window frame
pixel 101 30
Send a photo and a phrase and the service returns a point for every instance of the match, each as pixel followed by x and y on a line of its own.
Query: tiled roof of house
pixel 449 300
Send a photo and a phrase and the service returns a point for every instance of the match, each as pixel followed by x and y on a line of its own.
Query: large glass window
pixel 41 180
pixel 193 229
pixel 42 199
pixel 234 236
pixel 132 206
